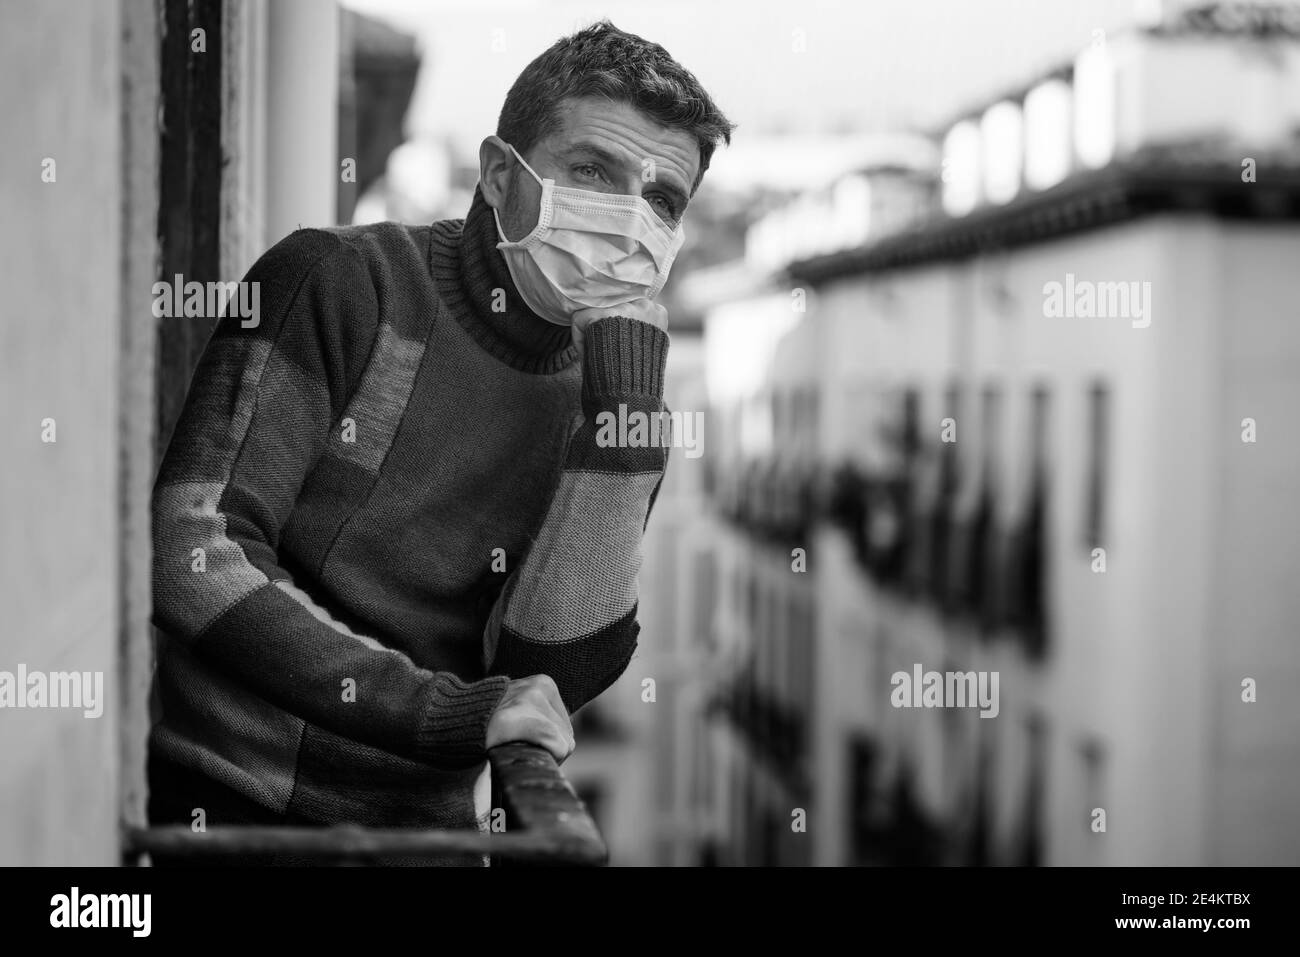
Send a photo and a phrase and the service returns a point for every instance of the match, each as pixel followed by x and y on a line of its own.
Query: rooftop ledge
pixel 1166 179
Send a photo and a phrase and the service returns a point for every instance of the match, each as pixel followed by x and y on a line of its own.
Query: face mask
pixel 589 250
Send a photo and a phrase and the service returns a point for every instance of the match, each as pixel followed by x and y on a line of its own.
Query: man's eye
pixel 664 206
pixel 589 171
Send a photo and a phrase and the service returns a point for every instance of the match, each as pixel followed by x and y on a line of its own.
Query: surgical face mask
pixel 589 250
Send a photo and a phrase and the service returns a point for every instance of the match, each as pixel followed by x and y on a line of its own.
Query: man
pixel 386 536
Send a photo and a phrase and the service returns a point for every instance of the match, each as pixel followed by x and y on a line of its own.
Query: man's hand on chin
pixel 644 310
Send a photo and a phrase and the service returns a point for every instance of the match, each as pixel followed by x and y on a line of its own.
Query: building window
pixel 1094 521
pixel 943 516
pixel 910 439
pixel 1092 758
pixel 1027 584
pixel 704 595
pixel 1032 844
pixel 1040 402
pixel 983 552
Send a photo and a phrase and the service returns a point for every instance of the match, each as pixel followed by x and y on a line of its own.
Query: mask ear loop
pixel 541 182
pixel 544 212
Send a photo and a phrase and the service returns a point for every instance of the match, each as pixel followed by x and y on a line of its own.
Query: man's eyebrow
pixel 613 159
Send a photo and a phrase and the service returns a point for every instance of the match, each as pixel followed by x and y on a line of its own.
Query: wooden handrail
pixel 546 823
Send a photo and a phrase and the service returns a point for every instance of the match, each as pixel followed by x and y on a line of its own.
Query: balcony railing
pixel 545 823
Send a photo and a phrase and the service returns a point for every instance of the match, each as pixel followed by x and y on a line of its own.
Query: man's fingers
pixel 565 725
pixel 548 735
pixel 552 692
pixel 560 718
pixel 534 712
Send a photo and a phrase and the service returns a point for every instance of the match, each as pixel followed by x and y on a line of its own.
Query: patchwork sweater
pixel 378 505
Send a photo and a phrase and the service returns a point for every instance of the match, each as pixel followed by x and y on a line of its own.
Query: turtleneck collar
pixel 467 267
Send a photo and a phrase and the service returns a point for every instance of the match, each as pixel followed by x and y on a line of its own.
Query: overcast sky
pixel 865 65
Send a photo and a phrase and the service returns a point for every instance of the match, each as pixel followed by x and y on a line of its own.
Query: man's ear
pixel 495 167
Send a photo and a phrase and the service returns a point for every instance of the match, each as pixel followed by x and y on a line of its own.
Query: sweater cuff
pixel 454 729
pixel 623 357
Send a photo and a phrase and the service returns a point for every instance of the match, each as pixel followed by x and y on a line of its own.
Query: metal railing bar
pixel 546 823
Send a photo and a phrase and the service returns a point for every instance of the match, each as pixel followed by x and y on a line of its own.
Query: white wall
pixel 302 166
pixel 60 64
pixel 1255 783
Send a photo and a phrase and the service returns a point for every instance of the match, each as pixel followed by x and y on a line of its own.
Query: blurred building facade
pixel 378 66
pixel 1100 530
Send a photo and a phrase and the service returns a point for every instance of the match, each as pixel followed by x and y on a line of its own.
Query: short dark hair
pixel 602 60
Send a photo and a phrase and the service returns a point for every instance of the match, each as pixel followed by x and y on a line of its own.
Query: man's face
pixel 604 147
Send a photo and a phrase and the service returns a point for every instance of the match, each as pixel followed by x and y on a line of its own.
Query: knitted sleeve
pixel 569 610
pixel 258 415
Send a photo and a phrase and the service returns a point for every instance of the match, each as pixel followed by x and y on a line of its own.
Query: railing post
pixel 537 799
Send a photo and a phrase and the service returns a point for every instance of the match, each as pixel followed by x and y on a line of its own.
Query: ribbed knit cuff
pixel 582 668
pixel 623 357
pixel 454 731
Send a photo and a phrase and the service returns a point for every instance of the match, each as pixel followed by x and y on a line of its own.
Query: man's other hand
pixel 532 712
